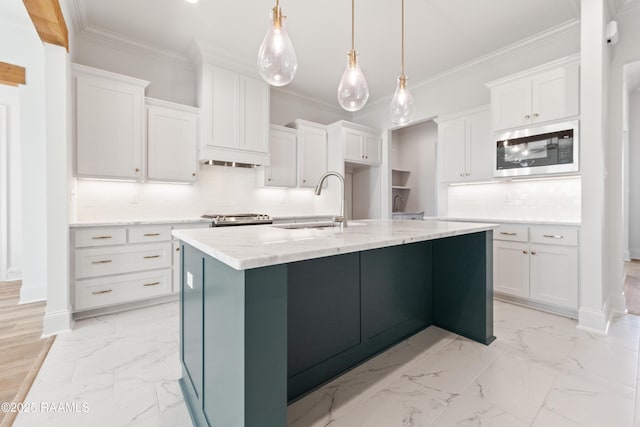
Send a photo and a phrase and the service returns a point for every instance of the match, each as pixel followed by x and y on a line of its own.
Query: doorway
pixel 413 170
pixel 631 186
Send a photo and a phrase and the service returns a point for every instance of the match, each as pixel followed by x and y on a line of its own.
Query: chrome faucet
pixel 342 219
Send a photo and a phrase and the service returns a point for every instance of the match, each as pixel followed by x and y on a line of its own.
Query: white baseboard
pixel 29 295
pixel 593 320
pixel 56 322
pixel 618 304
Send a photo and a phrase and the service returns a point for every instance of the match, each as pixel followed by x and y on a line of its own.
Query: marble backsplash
pixel 552 199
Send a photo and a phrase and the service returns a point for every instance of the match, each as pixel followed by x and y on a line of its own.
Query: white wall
pixel 286 107
pixel 634 175
pixel 218 190
pixel 414 148
pixel 172 78
pixel 22 46
pixel 557 199
pixel 10 186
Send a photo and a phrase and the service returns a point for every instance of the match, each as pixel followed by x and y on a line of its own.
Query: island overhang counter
pixel 269 313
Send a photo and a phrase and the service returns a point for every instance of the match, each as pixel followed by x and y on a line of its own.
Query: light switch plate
pixel 189 280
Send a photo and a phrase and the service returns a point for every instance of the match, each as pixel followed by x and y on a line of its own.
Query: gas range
pixel 219 220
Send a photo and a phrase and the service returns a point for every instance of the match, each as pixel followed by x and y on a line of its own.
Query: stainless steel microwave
pixel 536 151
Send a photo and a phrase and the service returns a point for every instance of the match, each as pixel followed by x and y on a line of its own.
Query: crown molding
pixel 571 26
pixel 571 59
pixel 78 11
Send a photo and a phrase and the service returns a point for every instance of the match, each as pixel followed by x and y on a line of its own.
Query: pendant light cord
pixel 403 37
pixel 353 24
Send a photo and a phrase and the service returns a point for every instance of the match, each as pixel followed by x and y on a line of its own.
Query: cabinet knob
pixel 366 157
pixel 536 115
pixel 533 252
pixel 304 180
pixel 137 170
pixel 177 249
pixel 193 174
pixel 527 117
pixel 461 174
pixel 525 252
pixel 269 179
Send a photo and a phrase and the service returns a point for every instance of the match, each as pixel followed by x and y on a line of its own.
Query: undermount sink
pixel 316 225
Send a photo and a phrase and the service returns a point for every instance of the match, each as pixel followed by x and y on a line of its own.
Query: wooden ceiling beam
pixel 12 75
pixel 47 17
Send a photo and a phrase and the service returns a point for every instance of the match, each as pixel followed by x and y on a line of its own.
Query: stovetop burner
pixel 220 220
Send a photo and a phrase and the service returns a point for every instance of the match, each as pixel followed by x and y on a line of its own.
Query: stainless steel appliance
pixel 542 150
pixel 219 220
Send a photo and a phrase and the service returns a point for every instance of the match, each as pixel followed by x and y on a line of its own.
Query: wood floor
pixel 22 349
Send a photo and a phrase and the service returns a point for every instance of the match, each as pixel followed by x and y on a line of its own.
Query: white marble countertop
pixel 505 221
pixel 263 245
pixel 292 217
pixel 125 222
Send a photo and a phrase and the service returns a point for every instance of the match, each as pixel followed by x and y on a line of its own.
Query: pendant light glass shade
pixel 277 62
pixel 402 108
pixel 353 91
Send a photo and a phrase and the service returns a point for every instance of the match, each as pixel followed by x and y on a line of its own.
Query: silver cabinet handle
pixel 151 284
pixel 553 236
pixel 508 233
pixel 104 261
pixel 151 234
pixel 101 292
pixel 151 256
pixel 101 237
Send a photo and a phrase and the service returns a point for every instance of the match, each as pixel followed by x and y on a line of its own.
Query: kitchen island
pixel 271 312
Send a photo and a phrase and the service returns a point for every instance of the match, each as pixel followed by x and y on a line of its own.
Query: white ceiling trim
pixel 78 12
pixel 557 31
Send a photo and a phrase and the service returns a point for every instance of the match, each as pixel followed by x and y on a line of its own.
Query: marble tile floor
pixel 541 371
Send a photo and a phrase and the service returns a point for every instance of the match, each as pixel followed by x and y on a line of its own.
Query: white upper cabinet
pixel 312 152
pixel 109 124
pixel 464 146
pixel 283 150
pixel 172 142
pixel 235 116
pixel 543 94
pixel 360 144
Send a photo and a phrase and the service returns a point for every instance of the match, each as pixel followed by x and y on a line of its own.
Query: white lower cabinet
pixel 554 275
pixel 116 264
pixel 544 273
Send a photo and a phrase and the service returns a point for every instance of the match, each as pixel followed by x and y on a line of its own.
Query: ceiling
pixel 440 34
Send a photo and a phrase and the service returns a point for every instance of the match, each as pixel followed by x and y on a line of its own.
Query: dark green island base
pixel 254 340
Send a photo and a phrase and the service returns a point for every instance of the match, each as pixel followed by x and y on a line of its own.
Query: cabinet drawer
pixel 149 234
pixel 105 291
pixel 105 261
pixel 513 233
pixel 565 236
pixel 100 237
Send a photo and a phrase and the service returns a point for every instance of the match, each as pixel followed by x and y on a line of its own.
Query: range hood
pixel 219 156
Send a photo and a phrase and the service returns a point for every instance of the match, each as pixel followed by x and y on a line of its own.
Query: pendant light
pixel 402 108
pixel 277 63
pixel 353 91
